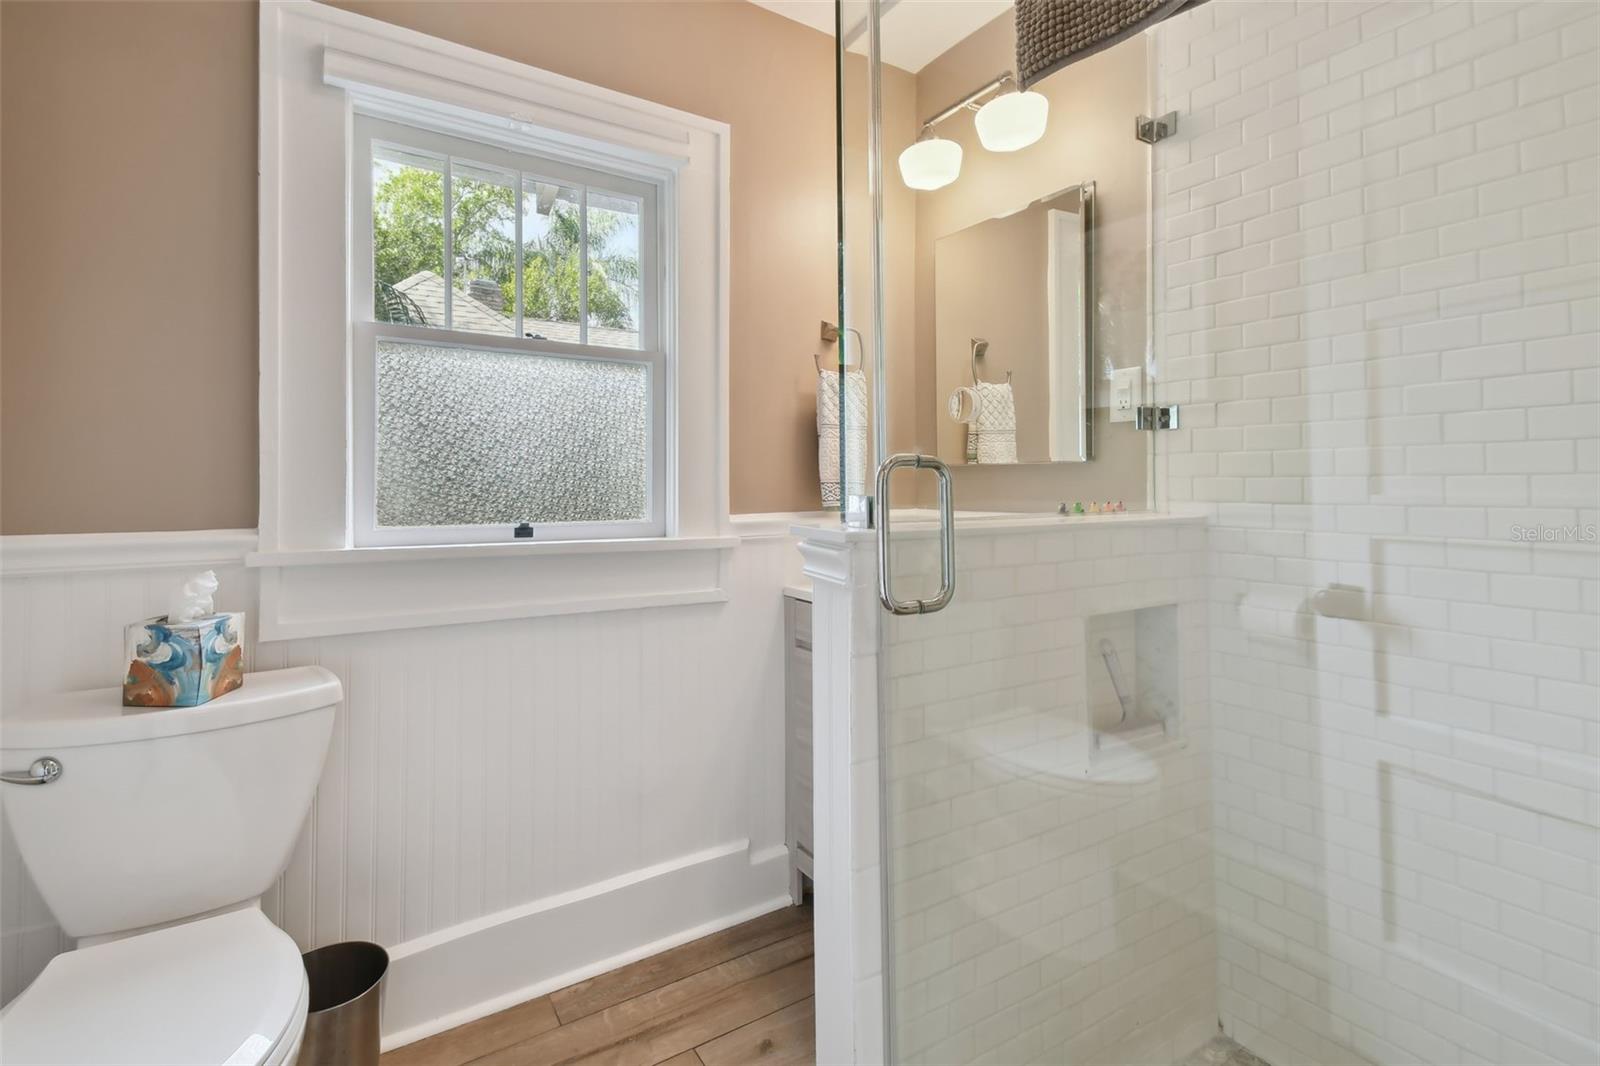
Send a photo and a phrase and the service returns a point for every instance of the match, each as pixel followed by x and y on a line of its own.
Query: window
pixel 509 369
pixel 557 362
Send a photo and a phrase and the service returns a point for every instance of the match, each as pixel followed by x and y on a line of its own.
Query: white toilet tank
pixel 161 815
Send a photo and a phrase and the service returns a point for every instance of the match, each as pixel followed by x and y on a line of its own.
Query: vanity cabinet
pixel 797 743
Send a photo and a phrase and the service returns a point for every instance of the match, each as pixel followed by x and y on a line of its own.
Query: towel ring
pixel 966 399
pixel 829 334
pixel 980 348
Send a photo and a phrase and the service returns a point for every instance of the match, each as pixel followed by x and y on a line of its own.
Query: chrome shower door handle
pixel 41 772
pixel 947 535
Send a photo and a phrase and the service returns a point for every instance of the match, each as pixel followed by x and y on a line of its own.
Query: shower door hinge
pixel 1150 130
pixel 1153 418
pixel 857 512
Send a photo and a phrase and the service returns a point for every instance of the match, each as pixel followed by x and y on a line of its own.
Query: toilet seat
pixel 227 989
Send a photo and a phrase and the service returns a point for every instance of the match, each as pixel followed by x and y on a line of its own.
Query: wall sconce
pixel 930 163
pixel 1012 120
pixel 1007 122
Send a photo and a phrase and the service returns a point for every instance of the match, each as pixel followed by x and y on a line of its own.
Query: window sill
pixel 511 549
pixel 327 592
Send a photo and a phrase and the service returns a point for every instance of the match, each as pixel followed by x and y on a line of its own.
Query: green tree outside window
pixel 408 237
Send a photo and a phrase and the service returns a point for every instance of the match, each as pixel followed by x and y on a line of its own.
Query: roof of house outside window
pixel 472 315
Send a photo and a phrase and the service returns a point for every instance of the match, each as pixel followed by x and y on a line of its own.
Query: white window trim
pixel 318 67
pixel 655 327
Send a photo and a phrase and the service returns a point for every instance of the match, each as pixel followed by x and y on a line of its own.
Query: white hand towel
pixel 996 423
pixel 855 436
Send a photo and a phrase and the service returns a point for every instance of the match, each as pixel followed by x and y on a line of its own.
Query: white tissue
pixel 194 600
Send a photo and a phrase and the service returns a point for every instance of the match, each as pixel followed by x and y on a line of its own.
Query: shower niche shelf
pixel 1132 669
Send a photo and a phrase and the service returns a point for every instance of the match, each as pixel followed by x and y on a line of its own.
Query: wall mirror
pixel 1014 335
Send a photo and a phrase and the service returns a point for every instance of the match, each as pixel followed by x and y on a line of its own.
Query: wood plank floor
pixel 744 995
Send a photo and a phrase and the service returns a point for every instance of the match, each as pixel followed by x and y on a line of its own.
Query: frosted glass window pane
pixel 614 305
pixel 552 296
pixel 468 437
pixel 483 244
pixel 407 236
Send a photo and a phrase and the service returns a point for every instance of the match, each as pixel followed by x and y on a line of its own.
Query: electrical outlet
pixel 1127 391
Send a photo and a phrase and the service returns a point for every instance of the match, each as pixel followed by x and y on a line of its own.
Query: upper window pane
pixel 483 241
pixel 614 274
pixel 552 266
pixel 407 236
pixel 487 248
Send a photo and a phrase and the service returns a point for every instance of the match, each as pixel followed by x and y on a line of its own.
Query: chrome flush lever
pixel 41 772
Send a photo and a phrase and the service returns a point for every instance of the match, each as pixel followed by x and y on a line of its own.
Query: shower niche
pixel 1132 668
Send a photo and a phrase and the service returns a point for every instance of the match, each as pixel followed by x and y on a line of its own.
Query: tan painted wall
pixel 128 215
pixel 133 319
pixel 127 266
pixel 1090 137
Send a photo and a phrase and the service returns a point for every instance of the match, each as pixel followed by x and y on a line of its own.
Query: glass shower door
pixel 1305 766
pixel 1045 803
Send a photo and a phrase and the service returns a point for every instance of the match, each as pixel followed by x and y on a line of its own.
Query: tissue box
pixel 183 664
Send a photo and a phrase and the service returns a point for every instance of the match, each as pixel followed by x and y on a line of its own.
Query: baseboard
pixel 469 971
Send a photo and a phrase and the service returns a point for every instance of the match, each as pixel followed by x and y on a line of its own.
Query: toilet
pixel 152 837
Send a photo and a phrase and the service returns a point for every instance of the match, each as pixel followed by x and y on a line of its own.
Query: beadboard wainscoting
pixel 507 806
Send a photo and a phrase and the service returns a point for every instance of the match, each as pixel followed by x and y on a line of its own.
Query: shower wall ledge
pixel 914 522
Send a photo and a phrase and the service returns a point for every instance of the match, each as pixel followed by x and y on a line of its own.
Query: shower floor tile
pixel 1223 1051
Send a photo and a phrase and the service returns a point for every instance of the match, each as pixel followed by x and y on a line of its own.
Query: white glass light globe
pixel 1012 120
pixel 930 164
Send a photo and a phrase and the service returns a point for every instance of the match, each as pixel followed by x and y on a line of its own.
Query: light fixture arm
pixel 967 102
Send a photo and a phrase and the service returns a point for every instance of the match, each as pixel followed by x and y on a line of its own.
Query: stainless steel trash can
pixel 346 999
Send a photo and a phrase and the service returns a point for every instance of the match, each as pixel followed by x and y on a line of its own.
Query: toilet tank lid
pixel 96 716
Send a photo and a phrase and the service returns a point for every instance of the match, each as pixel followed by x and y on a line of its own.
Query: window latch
pixel 523 532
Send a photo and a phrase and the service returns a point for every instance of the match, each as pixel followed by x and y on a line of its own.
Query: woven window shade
pixel 1053 33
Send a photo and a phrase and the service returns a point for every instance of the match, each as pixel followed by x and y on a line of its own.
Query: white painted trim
pixel 497 550
pixel 457 975
pixel 850 955
pixel 401 591
pixel 1067 311
pixel 757 526
pixel 312 59
pixel 432 102
pixel 60 553
pixel 337 625
pixel 563 899
pixel 924 523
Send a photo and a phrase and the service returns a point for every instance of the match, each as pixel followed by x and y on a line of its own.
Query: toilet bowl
pixel 152 846
pixel 225 989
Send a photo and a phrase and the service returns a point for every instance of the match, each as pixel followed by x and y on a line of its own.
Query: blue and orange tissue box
pixel 183 664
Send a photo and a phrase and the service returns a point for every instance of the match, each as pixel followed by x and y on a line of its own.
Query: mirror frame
pixel 1086 304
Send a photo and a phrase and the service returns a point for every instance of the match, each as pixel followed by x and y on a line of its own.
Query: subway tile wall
pixel 1045 907
pixel 1376 246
